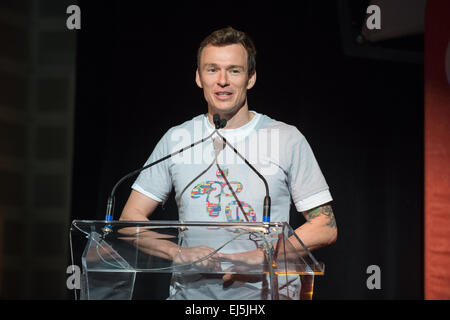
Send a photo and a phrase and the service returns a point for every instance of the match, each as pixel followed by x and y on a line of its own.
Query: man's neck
pixel 236 120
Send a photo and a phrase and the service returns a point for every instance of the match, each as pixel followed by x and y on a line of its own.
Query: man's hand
pixel 243 263
pixel 199 254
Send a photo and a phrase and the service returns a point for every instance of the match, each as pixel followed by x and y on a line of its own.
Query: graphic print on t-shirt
pixel 216 194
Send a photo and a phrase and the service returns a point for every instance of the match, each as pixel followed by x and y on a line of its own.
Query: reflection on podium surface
pixel 196 260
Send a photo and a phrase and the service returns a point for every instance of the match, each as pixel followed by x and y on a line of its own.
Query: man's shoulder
pixel 185 133
pixel 285 130
pixel 188 125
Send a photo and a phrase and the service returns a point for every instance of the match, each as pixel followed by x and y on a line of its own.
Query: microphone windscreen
pixel 216 120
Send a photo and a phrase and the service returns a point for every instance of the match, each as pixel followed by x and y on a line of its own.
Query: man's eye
pixel 211 70
pixel 235 71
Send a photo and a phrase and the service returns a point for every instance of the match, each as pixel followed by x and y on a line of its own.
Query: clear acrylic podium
pixel 266 261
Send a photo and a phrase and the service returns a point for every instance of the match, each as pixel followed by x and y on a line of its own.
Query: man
pixel 226 70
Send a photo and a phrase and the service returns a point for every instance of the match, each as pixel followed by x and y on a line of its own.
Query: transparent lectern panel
pixel 200 260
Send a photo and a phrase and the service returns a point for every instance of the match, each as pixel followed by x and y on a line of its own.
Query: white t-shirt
pixel 277 150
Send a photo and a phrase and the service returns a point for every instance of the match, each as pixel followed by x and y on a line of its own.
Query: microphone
pixel 109 216
pixel 221 123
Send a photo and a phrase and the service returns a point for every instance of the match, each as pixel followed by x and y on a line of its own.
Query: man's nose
pixel 223 79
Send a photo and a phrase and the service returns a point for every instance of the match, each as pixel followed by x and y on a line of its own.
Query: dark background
pixel 362 116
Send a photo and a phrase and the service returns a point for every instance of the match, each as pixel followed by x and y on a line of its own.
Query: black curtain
pixel 363 118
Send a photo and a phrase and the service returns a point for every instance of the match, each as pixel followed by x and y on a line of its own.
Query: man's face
pixel 223 75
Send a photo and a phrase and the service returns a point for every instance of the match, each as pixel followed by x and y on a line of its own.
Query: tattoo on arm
pixel 326 210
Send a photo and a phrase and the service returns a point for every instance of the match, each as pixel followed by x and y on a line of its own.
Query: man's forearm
pixel 150 242
pixel 318 231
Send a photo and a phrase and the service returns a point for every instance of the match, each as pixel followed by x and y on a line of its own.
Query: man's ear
pixel 251 80
pixel 197 79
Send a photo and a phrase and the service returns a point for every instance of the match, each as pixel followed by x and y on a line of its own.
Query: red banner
pixel 437 150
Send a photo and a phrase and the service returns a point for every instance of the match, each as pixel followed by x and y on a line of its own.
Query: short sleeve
pixel 306 182
pixel 155 182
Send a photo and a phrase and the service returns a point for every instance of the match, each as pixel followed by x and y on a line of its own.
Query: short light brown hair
pixel 227 36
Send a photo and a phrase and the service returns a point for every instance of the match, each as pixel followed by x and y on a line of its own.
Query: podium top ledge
pixel 175 223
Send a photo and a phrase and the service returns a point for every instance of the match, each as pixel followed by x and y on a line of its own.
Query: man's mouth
pixel 223 95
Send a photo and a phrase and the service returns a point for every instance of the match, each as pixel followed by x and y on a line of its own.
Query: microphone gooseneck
pixel 219 124
pixel 267 200
pixel 109 216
